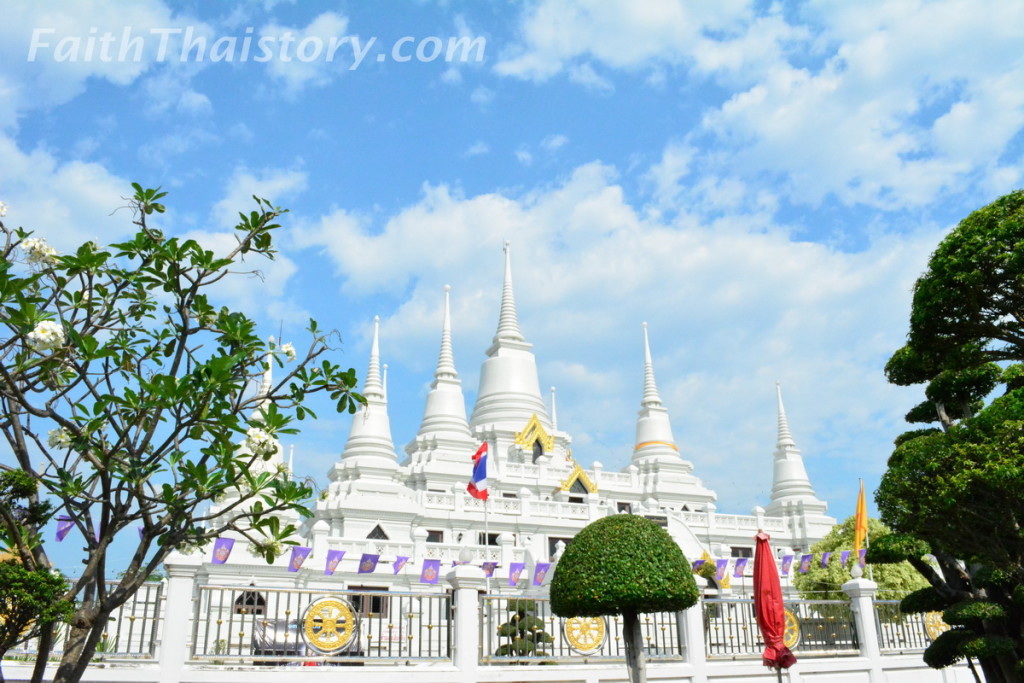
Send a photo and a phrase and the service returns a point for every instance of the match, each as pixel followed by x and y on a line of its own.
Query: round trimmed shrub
pixel 621 564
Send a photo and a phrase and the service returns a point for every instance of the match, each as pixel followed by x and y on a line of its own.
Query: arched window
pixel 250 602
pixel 377 534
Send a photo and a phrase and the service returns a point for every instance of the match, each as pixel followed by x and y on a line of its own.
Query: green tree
pixel 524 629
pixel 126 401
pixel 825 583
pixel 954 489
pixel 628 565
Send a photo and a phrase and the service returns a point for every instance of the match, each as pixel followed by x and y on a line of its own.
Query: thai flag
pixel 478 486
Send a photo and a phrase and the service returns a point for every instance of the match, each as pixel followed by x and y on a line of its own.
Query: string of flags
pixel 430 571
pixel 803 566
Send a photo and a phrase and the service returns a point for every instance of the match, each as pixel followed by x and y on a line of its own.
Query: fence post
pixel 467 580
pixel 862 602
pixel 178 605
pixel 691 627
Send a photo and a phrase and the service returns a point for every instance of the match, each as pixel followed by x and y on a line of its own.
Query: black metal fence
pixel 813 627
pixel 271 625
pixel 899 632
pixel 522 630
pixel 132 632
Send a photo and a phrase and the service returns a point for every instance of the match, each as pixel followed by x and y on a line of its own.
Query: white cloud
pixel 296 72
pixel 523 156
pixel 50 79
pixel 68 203
pixel 887 104
pixel 477 148
pixel 481 96
pixel 733 306
pixel 553 143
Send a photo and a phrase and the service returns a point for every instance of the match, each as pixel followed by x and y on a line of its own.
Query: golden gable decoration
pixel 534 432
pixel 578 474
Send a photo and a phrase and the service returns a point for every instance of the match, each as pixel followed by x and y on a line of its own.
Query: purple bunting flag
pixel 697 564
pixel 805 563
pixel 515 569
pixel 64 525
pixel 141 529
pixel 399 563
pixel 824 559
pixel 368 563
pixel 861 556
pixel 720 568
pixel 741 566
pixel 539 572
pixel 299 555
pixel 333 560
pixel 222 550
pixel 489 568
pixel 431 571
pixel 787 564
pixel 844 557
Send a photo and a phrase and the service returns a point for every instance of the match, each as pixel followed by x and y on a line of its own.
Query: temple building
pixel 413 502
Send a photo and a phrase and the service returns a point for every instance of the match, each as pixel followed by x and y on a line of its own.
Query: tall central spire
pixel 373 386
pixel 509 393
pixel 651 397
pixel 785 438
pixel 508 321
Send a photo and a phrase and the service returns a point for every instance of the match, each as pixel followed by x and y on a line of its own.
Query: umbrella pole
pixel 778 672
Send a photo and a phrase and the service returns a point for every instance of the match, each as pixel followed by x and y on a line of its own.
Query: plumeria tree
pixel 128 404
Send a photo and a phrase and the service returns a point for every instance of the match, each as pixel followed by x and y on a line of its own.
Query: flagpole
pixel 487 541
pixel 867 540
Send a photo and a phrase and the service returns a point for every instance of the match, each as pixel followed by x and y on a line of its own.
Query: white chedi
pixel 47 336
pixel 37 251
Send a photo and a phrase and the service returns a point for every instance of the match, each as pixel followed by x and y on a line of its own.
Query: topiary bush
pixel 619 564
pixel 628 565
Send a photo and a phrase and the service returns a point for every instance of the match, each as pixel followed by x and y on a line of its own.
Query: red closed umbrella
pixel 768 607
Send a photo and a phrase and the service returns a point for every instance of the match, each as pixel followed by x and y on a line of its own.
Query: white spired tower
pixel 792 494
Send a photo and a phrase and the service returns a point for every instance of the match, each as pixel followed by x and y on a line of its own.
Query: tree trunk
pixel 86 629
pixel 636 661
pixel 43 652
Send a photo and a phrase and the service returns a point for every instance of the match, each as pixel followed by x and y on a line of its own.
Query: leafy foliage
pixel 524 629
pixel 127 402
pixel 825 583
pixel 29 600
pixel 622 563
pixel 958 487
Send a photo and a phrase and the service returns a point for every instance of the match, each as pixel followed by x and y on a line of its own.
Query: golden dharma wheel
pixel 585 635
pixel 329 625
pixel 791 637
pixel 935 625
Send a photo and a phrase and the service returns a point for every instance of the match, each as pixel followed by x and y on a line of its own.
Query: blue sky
pixel 760 182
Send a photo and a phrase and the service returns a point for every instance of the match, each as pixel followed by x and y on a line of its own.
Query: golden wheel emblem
pixel 585 634
pixel 934 625
pixel 791 637
pixel 329 625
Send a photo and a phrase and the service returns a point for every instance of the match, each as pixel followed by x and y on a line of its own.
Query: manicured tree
pixel 953 490
pixel 524 629
pixel 628 565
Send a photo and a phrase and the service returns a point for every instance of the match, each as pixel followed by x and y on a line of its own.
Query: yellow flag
pixel 860 522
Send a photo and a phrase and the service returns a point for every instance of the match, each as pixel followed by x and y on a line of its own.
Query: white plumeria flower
pixel 59 438
pixel 289 351
pixel 259 442
pixel 47 336
pixel 38 251
pixel 3 209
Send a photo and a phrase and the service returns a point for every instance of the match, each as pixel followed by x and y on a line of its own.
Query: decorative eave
pixel 533 432
pixel 578 474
